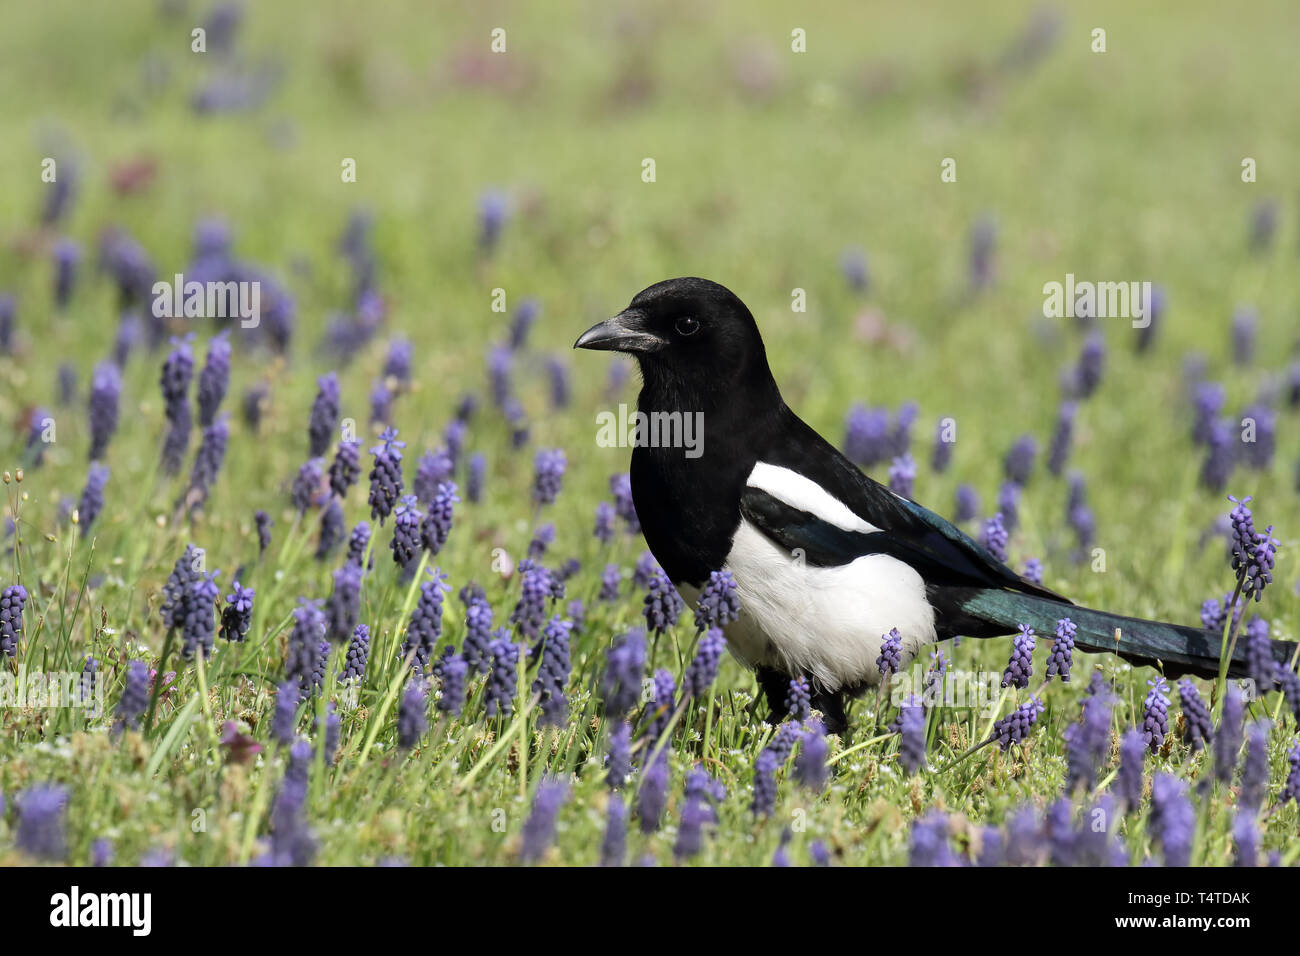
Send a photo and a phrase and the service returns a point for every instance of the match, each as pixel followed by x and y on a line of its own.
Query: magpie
pixel 826 560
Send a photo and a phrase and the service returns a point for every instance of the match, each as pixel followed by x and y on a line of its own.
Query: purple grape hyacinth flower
pixel 618 764
pixel 1245 321
pixel 436 527
pixel 477 468
pixel 333 528
pixel 1061 658
pixel 538 588
pixel 613 847
pixel 199 624
pixel 1260 665
pixel 1021 665
pixel 105 394
pixel 1087 743
pixel 358 542
pixel 67 258
pixel 553 672
pixel 1291 789
pixel 343 606
pixel 237 615
pixel 718 604
pixel 994 537
pixel 1254 769
pixel 620 487
pixel 703 669
pixel 1196 716
pixel 303 657
pixel 853 264
pixel 652 798
pixel 929 841
pixel 1058 450
pixel 621 685
pixel 324 415
pixel 207 462
pixel 503 680
pixel 1032 571
pixel 478 635
pixel 386 475
pixel 214 380
pixel 187 567
pixel 358 654
pixel 284 719
pixel 406 543
pixel 135 696
pixel 434 469
pixel 1220 456
pixel 412 714
pixel 493 213
pixel 966 505
pixel 798 699
pixel 306 484
pixel 425 627
pixel 1155 714
pixel 1208 399
pixel 604 528
pixel 548 475
pixel 663 605
pixel 539 828
pixel 911 731
pixel 1132 762
pixel 345 469
pixel 1018 464
pixel 264 524
pixel 658 716
pixel 902 476
pixel 610 580
pixel 646 568
pixel 891 654
pixel 255 400
pixel 42 822
pixel 1227 738
pixel 522 321
pixel 983 244
pixel 452 672
pixel 810 766
pixel 1173 820
pixel 91 502
pixel 1013 728
pixel 1009 505
pixel 866 435
pixel 763 803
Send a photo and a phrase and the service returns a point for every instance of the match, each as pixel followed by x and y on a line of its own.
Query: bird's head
pixel 691 337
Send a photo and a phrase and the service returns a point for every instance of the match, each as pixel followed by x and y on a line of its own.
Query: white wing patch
pixel 806 495
pixel 827 623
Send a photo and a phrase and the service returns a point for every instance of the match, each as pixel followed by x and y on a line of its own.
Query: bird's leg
pixel 775 687
pixel 831 705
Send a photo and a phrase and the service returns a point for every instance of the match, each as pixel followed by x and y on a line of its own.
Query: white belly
pixel 825 623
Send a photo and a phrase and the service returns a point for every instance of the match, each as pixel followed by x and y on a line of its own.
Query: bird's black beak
pixel 625 332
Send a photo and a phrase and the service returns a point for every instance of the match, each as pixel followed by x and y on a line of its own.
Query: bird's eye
pixel 687 325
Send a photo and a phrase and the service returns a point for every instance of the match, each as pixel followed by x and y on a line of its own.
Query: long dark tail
pixel 1174 648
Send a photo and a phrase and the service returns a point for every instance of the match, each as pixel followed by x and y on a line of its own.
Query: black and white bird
pixel 826 561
